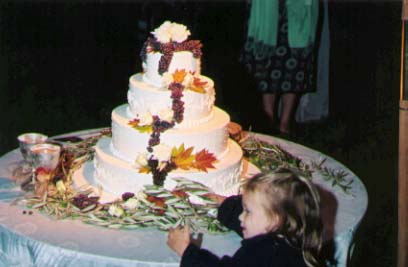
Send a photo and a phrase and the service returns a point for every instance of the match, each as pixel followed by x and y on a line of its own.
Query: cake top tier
pixel 169 50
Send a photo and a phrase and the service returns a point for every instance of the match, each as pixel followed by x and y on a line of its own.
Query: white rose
pixel 163 33
pixel 162 152
pixel 131 203
pixel 115 210
pixel 188 80
pixel 167 79
pixel 141 160
pixel 145 119
pixel 166 115
pixel 179 32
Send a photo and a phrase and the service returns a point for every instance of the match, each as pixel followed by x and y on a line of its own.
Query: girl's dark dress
pixel 262 250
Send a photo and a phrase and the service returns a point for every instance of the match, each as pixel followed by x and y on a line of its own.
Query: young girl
pixel 278 216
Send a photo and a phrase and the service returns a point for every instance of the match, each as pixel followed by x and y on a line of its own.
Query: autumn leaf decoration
pixel 144 169
pixel 204 160
pixel 182 158
pixel 185 159
pixel 179 75
pixel 141 128
pixel 198 85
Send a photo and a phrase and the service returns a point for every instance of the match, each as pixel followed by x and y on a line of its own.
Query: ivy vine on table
pixel 268 157
pixel 155 206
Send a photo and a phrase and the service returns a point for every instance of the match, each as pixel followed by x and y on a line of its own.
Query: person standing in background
pixel 280 54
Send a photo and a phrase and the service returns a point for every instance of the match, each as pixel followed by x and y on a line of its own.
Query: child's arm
pixel 178 239
pixel 191 255
pixel 229 211
pixel 215 197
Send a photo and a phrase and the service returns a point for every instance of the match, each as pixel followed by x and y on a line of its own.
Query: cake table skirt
pixel 37 240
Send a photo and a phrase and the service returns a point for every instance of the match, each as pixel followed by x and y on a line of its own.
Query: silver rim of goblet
pixel 52 147
pixel 35 137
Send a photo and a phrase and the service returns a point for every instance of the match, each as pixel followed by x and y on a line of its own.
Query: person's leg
pixel 289 105
pixel 268 103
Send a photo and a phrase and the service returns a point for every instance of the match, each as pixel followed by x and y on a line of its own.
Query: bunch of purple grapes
pixel 167 51
pixel 159 126
pixel 82 201
pixel 153 141
pixel 177 103
pixel 192 45
pixel 127 195
pixel 159 175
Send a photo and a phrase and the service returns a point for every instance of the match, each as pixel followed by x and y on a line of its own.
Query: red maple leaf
pixel 179 193
pixel 204 160
pixel 158 201
pixel 198 85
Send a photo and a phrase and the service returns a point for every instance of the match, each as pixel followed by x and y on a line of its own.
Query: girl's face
pixel 254 219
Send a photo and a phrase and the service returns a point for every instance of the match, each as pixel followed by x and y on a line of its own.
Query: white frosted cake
pixel 170 126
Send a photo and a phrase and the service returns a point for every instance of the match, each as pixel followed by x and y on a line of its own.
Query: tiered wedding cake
pixel 170 126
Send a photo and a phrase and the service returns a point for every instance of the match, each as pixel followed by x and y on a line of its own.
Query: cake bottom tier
pixel 117 176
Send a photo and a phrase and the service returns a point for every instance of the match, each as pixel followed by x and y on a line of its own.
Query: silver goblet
pixel 26 141
pixel 45 156
pixel 26 170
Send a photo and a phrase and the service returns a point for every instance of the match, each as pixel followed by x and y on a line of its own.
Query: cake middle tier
pixel 143 97
pixel 128 142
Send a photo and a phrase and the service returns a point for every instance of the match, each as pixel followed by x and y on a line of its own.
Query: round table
pixel 37 240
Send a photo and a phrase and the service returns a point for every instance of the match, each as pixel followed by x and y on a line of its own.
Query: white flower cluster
pixel 171 32
pixel 146 118
pixel 161 152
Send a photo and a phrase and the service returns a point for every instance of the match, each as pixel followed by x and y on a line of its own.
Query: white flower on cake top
pixel 171 32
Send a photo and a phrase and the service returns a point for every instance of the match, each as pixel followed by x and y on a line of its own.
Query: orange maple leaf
pixel 198 85
pixel 204 160
pixel 179 75
pixel 144 169
pixel 182 157
pixel 134 122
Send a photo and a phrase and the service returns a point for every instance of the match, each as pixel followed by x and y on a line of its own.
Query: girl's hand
pixel 178 239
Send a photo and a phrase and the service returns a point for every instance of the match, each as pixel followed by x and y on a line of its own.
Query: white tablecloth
pixel 37 240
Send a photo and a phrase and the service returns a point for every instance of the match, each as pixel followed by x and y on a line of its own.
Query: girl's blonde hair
pixel 296 202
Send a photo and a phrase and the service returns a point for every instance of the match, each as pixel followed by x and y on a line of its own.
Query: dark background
pixel 64 65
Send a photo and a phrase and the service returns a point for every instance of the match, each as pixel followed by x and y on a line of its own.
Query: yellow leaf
pixel 179 75
pixel 176 151
pixel 182 158
pixel 144 169
pixel 141 128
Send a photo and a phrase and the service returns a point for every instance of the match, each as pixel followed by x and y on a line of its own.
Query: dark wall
pixel 64 65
